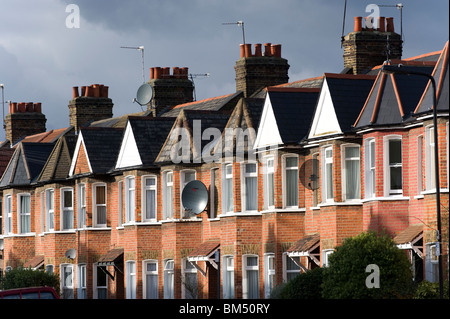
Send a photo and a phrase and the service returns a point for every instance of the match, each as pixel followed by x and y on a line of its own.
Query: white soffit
pixel 129 154
pixel 268 133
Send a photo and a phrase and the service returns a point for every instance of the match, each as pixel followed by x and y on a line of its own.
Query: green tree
pixel 388 276
pixel 21 278
pixel 306 285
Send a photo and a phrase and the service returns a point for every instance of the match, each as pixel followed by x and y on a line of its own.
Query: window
pixel 149 197
pixel 315 179
pixel 213 193
pixel 168 195
pixel 67 208
pixel 129 199
pixel 430 167
pixel 228 277
pixel 100 282
pixel 290 268
pixel 24 220
pixel 327 173
pixel 151 279
pixel 49 269
pixel 431 263
pixel 419 164
pixel 291 181
pixel 325 256
pixel 186 177
pixel 81 291
pixel 81 206
pixel 8 214
pixel 42 198
pixel 227 189
pixel 250 282
pixel 351 178
pixel 269 274
pixel 169 284
pixel 50 209
pixel 120 203
pixel 190 285
pixel 269 183
pixel 1 217
pixel 100 205
pixel 130 268
pixel 393 166
pixel 250 187
pixel 67 281
pixel 369 165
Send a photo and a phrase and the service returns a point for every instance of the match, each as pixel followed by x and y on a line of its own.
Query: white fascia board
pixel 268 133
pixel 129 154
pixel 80 142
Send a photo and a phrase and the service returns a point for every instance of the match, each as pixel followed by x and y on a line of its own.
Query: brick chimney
pixel 24 118
pixel 169 89
pixel 93 104
pixel 260 69
pixel 366 46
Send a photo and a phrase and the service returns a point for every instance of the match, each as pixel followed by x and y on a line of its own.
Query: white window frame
pixel 49 210
pixel 327 161
pixel 245 269
pixel 96 205
pixel 130 199
pixel 344 171
pixel 285 169
pixel 65 285
pixel 269 274
pixel 244 177
pixel 315 192
pixel 420 141
pixel 120 203
pixel 325 257
pixel 66 210
pixel 226 193
pixel 268 172
pixel 9 214
pixel 131 278
pixel 387 166
pixel 169 279
pixel 286 260
pixel 228 277
pixel 430 171
pixel 370 168
pixel 188 269
pixel 27 215
pixel 150 273
pixel 146 188
pixel 81 206
pixel 168 208
pixel 95 286
pixel 183 182
pixel 431 263
pixel 42 207
pixel 212 192
pixel 82 281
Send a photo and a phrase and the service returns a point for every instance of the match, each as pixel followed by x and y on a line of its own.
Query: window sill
pixel 284 210
pixel 239 214
pixel 389 198
pixel 349 203
pixel 433 191
pixel 178 220
pixel 19 235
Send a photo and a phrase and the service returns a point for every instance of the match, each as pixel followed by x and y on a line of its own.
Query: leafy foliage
pixel 21 278
pixel 430 290
pixel 304 286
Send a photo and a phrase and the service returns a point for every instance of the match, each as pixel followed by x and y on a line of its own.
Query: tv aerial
pixel 192 76
pixel 71 253
pixel 309 174
pixel 140 48
pixel 194 197
pixel 239 23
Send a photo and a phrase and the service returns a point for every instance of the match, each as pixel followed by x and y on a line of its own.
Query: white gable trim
pixel 268 133
pixel 129 153
pixel 80 142
pixel 325 121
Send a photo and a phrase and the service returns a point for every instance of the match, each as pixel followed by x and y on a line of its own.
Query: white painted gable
pixel 129 153
pixel 268 133
pixel 80 142
pixel 325 121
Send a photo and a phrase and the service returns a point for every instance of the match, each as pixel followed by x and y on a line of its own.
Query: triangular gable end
pixel 325 121
pixel 129 153
pixel 80 161
pixel 268 133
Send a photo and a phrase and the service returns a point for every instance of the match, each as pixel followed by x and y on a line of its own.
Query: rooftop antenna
pixel 192 76
pixel 239 23
pixel 399 6
pixel 343 22
pixel 3 103
pixel 140 48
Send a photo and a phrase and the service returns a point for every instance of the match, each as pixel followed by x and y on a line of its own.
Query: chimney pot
pixel 158 73
pixel 358 24
pixel 381 24
pixel 75 91
pixel 248 50
pixel 166 72
pixel 21 107
pixel 38 107
pixel 83 91
pixel 29 107
pixel 152 73
pixel 185 73
pixel 104 92
pixel 390 24
pixel 96 90
pixel 368 23
pixel 242 50
pixel 276 50
pixel 176 72
pixel 258 51
pixel 267 49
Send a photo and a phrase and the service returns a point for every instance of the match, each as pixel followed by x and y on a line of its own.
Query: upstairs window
pixel 24 224
pixel 8 214
pixel 100 205
pixel 351 174
pixel 291 181
pixel 50 209
pixel 250 187
pixel 269 183
pixel 186 177
pixel 149 197
pixel 168 195
pixel 227 189
pixel 129 199
pixel 430 167
pixel 67 208
pixel 369 167
pixel 327 173
pixel 81 206
pixel 393 166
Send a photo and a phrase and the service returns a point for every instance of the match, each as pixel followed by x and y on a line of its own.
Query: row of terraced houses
pixel 292 169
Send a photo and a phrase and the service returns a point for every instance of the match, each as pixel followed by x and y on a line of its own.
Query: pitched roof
pixel 5 156
pixel 26 164
pixel 409 234
pixel 440 74
pixel 393 98
pixel 47 137
pixel 118 121
pixel 305 244
pixel 205 249
pixel 58 163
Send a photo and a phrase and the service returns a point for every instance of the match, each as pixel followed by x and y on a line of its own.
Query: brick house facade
pixel 117 198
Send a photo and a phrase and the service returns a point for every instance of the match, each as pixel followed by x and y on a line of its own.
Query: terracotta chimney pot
pixel 358 24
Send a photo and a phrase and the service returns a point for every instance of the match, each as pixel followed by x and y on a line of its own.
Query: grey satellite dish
pixel 144 94
pixel 71 253
pixel 309 174
pixel 194 197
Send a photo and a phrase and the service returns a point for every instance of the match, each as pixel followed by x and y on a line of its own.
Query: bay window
pixel 250 277
pixel 67 208
pixel 129 199
pixel 227 189
pixel 369 168
pixel 151 279
pixel 149 198
pixel 24 209
pixel 228 277
pixel 250 187
pixel 291 181
pixel 50 210
pixel 269 183
pixel 168 195
pixel 393 165
pixel 327 173
pixel 351 174
pixel 100 205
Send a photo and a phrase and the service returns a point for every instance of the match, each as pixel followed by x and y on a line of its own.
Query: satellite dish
pixel 194 197
pixel 309 174
pixel 71 253
pixel 144 94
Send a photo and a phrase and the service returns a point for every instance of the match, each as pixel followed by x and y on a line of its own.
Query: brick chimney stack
pixel 93 104
pixel 260 69
pixel 366 46
pixel 169 89
pixel 24 118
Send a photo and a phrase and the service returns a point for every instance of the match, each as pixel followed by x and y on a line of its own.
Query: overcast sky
pixel 41 59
